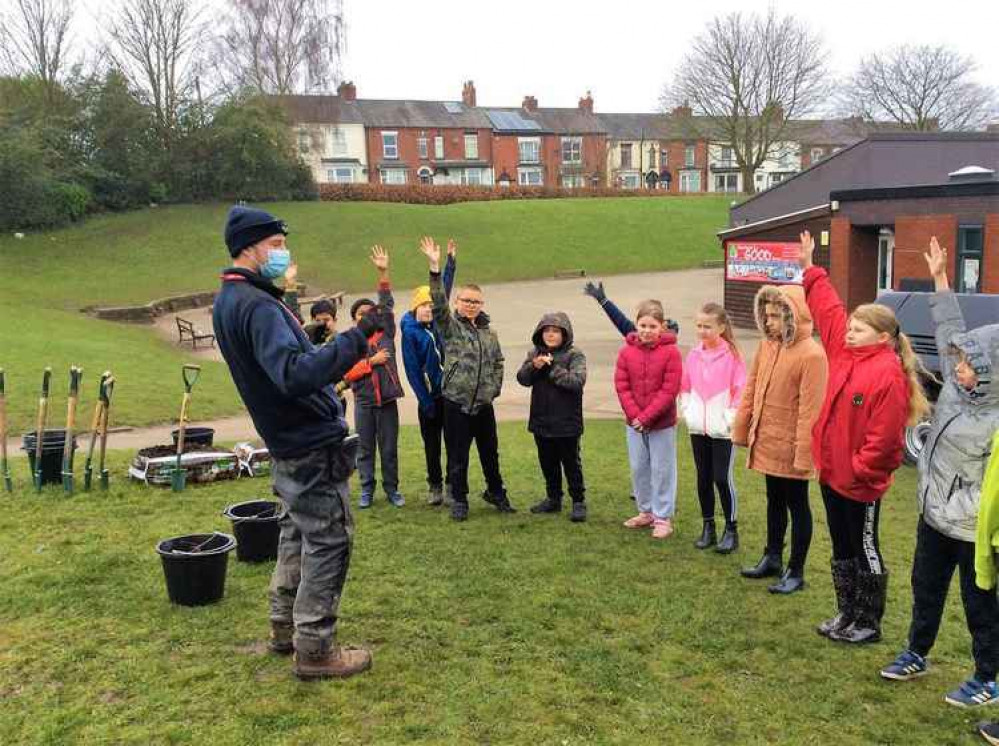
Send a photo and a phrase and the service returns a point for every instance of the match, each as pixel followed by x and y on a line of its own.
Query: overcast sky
pixel 622 51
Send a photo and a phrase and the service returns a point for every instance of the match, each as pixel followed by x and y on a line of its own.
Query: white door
pixel 886 249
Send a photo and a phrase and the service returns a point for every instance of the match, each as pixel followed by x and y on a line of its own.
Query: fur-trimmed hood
pixel 797 318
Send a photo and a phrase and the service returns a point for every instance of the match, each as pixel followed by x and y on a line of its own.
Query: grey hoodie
pixel 952 462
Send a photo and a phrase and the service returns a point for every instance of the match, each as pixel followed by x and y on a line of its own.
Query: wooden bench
pixel 188 332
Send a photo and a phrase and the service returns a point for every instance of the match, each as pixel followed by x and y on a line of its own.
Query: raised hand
pixel 936 259
pixel 380 258
pixel 807 249
pixel 595 291
pixel 291 275
pixel 430 249
pixel 452 247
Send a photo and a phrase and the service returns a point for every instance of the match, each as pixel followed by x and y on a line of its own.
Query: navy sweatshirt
pixel 285 382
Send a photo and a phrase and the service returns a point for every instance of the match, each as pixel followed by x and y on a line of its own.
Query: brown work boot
pixel 339 663
pixel 280 641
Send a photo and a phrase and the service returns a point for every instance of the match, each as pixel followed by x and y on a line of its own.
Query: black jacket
pixel 556 389
pixel 285 382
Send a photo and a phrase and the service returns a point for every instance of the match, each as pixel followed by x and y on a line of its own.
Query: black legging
pixel 789 495
pixel 714 459
pixel 853 528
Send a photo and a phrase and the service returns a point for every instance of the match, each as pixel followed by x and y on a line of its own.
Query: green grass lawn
pixel 505 630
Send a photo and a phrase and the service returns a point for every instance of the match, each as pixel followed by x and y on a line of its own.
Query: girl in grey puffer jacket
pixel 951 469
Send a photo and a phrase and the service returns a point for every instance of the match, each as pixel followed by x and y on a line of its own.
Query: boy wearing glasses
pixel 473 378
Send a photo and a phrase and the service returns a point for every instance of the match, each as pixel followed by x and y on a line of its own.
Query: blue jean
pixel 652 455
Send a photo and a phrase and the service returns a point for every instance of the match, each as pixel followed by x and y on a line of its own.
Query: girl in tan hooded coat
pixel 781 401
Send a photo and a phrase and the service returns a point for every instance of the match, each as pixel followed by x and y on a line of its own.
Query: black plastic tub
pixel 195 436
pixel 255 524
pixel 195 566
pixel 53 442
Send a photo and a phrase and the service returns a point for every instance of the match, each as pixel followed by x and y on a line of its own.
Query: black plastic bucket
pixel 195 436
pixel 255 524
pixel 53 442
pixel 195 567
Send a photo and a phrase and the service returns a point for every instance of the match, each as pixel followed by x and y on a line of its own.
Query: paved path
pixel 515 309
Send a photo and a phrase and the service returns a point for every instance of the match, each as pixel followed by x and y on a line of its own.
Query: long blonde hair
pixel 720 315
pixel 882 319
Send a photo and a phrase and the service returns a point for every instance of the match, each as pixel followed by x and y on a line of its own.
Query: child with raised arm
pixel 858 442
pixel 951 470
pixel 473 378
pixel 713 377
pixel 647 379
pixel 376 386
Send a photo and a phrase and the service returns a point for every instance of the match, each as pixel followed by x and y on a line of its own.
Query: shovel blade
pixel 179 479
pixel 67 483
pixel 8 483
pixel 88 478
pixel 105 480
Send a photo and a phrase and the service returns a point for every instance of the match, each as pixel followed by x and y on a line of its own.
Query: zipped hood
pixel 557 319
pixel 797 318
pixel 981 347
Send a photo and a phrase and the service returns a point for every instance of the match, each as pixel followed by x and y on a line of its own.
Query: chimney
pixel 683 110
pixel 468 93
pixel 586 104
pixel 530 103
pixel 347 91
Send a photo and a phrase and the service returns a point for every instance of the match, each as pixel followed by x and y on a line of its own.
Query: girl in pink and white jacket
pixel 714 375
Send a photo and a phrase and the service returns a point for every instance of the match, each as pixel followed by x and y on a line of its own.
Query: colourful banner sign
pixel 770 262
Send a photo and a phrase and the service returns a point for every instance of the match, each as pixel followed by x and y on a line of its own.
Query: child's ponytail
pixel 919 405
pixel 720 315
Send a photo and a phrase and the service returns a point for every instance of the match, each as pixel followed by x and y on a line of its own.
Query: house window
pixel 425 175
pixel 663 157
pixel 630 181
pixel 390 145
pixel 786 159
pixel 472 147
pixel 529 148
pixel 338 141
pixel 726 160
pixel 394 176
pixel 726 182
pixel 439 148
pixel 473 177
pixel 776 179
pixel 690 155
pixel 969 258
pixel 572 150
pixel 690 181
pixel 626 155
pixel 303 141
pixel 817 154
pixel 574 181
pixel 421 147
pixel 340 176
pixel 530 177
pixel 652 157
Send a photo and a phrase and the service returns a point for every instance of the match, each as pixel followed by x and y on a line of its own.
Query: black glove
pixel 673 326
pixel 370 323
pixel 595 291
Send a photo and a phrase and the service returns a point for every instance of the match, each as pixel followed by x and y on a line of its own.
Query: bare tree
pixel 921 87
pixel 746 76
pixel 34 37
pixel 155 43
pixel 283 46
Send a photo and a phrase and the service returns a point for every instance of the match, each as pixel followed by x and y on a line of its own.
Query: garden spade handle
pixel 75 374
pixel 4 465
pixel 106 392
pixel 43 410
pixel 190 374
pixel 95 426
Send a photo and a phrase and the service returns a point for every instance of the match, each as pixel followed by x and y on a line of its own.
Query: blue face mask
pixel 276 264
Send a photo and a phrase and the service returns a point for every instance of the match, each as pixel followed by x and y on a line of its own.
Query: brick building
pixel 873 208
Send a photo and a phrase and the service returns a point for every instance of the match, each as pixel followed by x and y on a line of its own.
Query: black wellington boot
pixel 708 536
pixel 769 566
pixel 844 575
pixel 729 541
pixel 790 582
pixel 548 505
pixel 872 591
pixel 578 514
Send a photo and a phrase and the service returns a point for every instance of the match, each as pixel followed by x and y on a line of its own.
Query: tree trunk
pixel 748 179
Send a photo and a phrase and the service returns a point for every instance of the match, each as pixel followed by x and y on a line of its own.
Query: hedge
pixel 426 194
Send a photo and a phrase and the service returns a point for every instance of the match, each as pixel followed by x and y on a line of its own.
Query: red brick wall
pixel 912 238
pixel 506 156
pixel 454 147
pixel 990 278
pixel 676 150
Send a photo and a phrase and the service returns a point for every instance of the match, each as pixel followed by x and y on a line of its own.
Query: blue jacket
pixel 423 350
pixel 285 382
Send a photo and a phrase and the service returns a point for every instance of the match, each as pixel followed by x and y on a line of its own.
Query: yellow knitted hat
pixel 420 296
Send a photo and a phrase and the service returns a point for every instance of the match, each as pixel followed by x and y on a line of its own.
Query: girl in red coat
pixel 647 379
pixel 857 442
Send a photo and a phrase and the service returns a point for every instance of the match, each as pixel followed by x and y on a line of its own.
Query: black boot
pixel 548 505
pixel 844 575
pixel 578 514
pixel 870 607
pixel 729 540
pixel 708 535
pixel 769 566
pixel 500 501
pixel 790 582
pixel 459 510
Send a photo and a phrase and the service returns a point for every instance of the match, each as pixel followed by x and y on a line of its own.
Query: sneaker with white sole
pixel 642 520
pixel 905 667
pixel 662 528
pixel 990 732
pixel 973 693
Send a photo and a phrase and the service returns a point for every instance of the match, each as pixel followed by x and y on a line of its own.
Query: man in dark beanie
pixel 286 385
